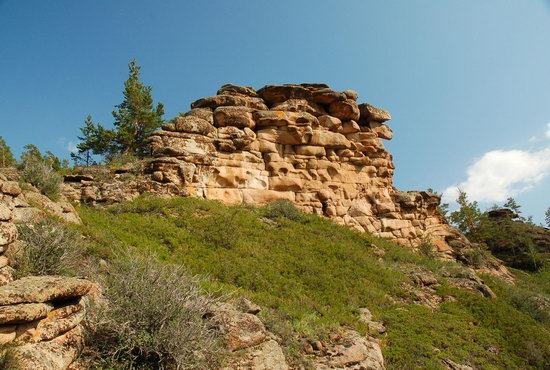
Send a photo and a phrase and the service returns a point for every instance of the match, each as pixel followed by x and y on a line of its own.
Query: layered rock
pixel 305 143
pixel 40 316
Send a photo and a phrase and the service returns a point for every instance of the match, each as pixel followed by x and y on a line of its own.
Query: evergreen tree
pixel 95 140
pixel 6 156
pixel 135 117
pixel 547 217
pixel 468 217
pixel 512 205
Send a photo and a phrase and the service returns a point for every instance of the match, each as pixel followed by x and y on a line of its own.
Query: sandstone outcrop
pixel 40 316
pixel 305 143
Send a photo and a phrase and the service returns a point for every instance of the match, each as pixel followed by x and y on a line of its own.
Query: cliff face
pixel 305 143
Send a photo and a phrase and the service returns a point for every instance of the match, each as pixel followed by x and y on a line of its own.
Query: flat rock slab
pixel 40 289
pixel 26 312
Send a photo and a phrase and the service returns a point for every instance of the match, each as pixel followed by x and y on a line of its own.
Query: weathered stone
pixel 242 330
pixel 193 125
pixel 58 321
pixel 202 113
pixel 230 89
pixel 300 105
pixel 330 123
pixel 381 130
pixel 350 127
pixel 229 100
pixel 39 289
pixel 8 233
pixel 346 110
pixel 240 117
pixel 265 356
pixel 282 118
pixel 371 113
pixel 329 140
pixel 57 354
pixel 25 312
pixel 5 213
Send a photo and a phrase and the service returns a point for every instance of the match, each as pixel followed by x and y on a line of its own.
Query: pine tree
pixel 135 117
pixel 547 217
pixel 95 140
pixel 511 204
pixel 6 156
pixel 468 217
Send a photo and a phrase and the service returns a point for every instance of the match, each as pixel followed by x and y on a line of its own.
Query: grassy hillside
pixel 311 276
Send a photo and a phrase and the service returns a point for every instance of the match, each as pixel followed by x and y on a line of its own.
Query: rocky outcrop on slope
pixel 40 316
pixel 28 205
pixel 307 143
pixel 250 345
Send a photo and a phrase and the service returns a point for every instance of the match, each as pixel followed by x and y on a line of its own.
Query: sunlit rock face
pixel 306 143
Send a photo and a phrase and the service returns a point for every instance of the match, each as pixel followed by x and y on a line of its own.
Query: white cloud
pixel 71 147
pixel 548 130
pixel 499 174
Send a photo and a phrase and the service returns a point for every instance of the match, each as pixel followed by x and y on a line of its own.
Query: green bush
pixel 152 318
pixel 285 209
pixel 41 174
pixel 49 248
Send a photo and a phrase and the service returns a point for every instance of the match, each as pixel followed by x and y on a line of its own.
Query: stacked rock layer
pixel 309 144
pixel 40 316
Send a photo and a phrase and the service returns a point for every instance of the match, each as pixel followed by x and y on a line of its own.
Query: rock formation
pixel 40 316
pixel 305 143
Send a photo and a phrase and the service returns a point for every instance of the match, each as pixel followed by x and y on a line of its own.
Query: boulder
pixel 330 123
pixel 346 110
pixel 230 89
pixel 202 113
pixel 239 117
pixel 241 330
pixel 40 289
pixel 193 125
pixel 371 113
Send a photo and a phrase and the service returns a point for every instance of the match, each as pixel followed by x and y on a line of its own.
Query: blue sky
pixel 467 82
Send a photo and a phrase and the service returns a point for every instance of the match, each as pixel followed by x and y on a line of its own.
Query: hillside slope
pixel 312 276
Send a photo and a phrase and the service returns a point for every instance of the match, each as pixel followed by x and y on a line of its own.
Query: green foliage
pixel 31 153
pixel 468 217
pixel 311 277
pixel 50 248
pixel 95 140
pixel 285 209
pixel 154 318
pixel 547 217
pixel 39 172
pixel 135 117
pixel 6 156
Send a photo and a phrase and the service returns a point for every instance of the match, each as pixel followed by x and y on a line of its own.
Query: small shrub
pixel 285 209
pixel 152 319
pixel 41 174
pixel 49 248
pixel 427 249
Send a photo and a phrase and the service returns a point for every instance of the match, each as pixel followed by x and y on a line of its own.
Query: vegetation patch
pixel 312 276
